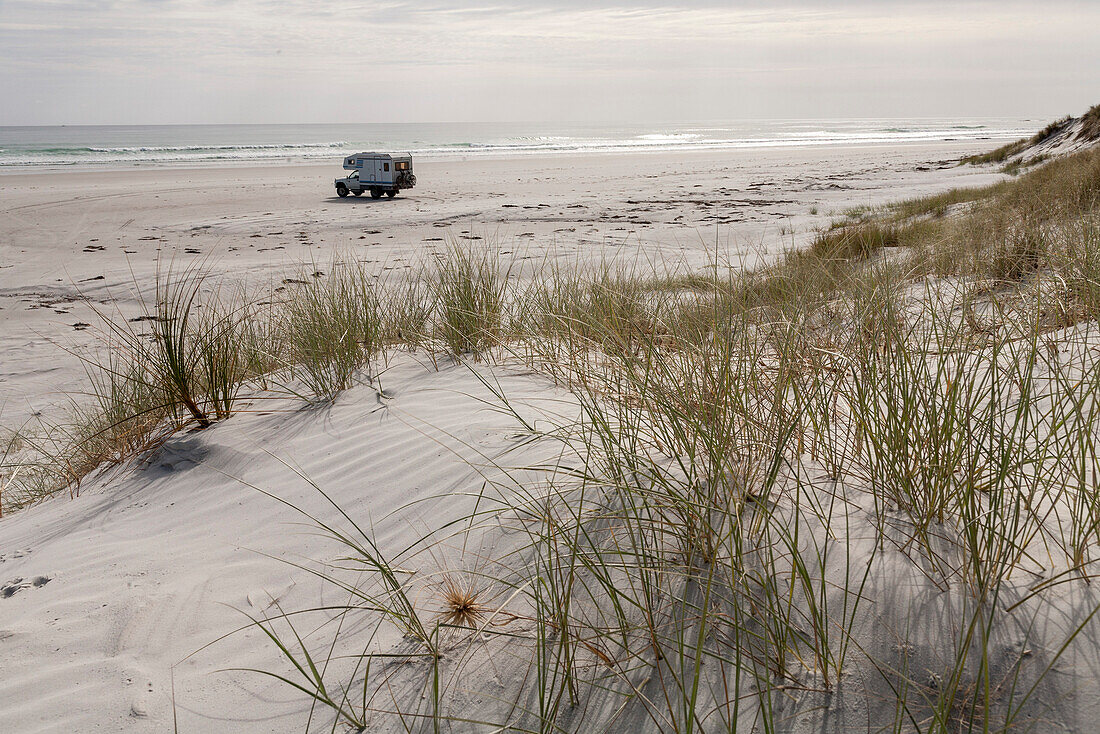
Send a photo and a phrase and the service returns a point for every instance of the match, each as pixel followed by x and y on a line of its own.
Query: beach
pixel 76 240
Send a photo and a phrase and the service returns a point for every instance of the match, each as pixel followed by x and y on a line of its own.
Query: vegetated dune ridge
pixel 854 491
pixel 1062 137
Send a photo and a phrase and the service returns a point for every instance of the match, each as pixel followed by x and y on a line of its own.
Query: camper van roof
pixel 391 156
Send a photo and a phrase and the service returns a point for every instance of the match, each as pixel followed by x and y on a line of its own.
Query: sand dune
pixel 114 596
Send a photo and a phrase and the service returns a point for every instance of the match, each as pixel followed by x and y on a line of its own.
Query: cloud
pixel 241 60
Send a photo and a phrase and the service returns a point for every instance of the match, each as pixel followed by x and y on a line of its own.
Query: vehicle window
pixel 385 166
pixel 402 166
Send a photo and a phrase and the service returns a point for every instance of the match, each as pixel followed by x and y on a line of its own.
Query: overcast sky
pixel 188 61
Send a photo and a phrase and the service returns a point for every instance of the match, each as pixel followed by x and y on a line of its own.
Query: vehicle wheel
pixel 391 193
pixel 359 192
pixel 375 193
pixel 341 190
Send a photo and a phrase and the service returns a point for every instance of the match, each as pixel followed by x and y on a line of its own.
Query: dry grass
pixel 462 603
pixel 854 242
pixel 1090 124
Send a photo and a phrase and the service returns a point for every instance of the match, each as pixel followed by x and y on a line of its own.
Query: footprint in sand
pixel 14 554
pixel 139 707
pixel 14 586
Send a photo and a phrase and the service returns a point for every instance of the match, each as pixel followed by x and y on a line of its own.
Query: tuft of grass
pixel 142 388
pixel 193 357
pixel 194 352
pixel 854 242
pixel 333 328
pixel 468 289
pixel 1090 125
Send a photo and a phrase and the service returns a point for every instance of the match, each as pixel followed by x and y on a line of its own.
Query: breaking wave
pixel 223 144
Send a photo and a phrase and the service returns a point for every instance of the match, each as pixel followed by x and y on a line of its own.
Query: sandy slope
pixel 154 562
pixel 1064 137
pixel 113 606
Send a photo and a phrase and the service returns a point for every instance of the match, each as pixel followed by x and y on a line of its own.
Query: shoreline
pixel 505 154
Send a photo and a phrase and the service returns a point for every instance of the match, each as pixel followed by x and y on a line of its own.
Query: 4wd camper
pixel 378 173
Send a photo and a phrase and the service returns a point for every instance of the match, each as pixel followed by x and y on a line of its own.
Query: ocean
pixel 23 148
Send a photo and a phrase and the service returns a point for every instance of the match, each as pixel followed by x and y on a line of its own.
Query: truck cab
pixel 378 173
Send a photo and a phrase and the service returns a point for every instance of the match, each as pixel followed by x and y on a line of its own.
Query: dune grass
pixel 688 564
pixel 331 328
pixel 855 242
pixel 1088 132
pixel 468 289
pixel 705 564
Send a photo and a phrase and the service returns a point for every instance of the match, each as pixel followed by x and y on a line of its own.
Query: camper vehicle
pixel 378 173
